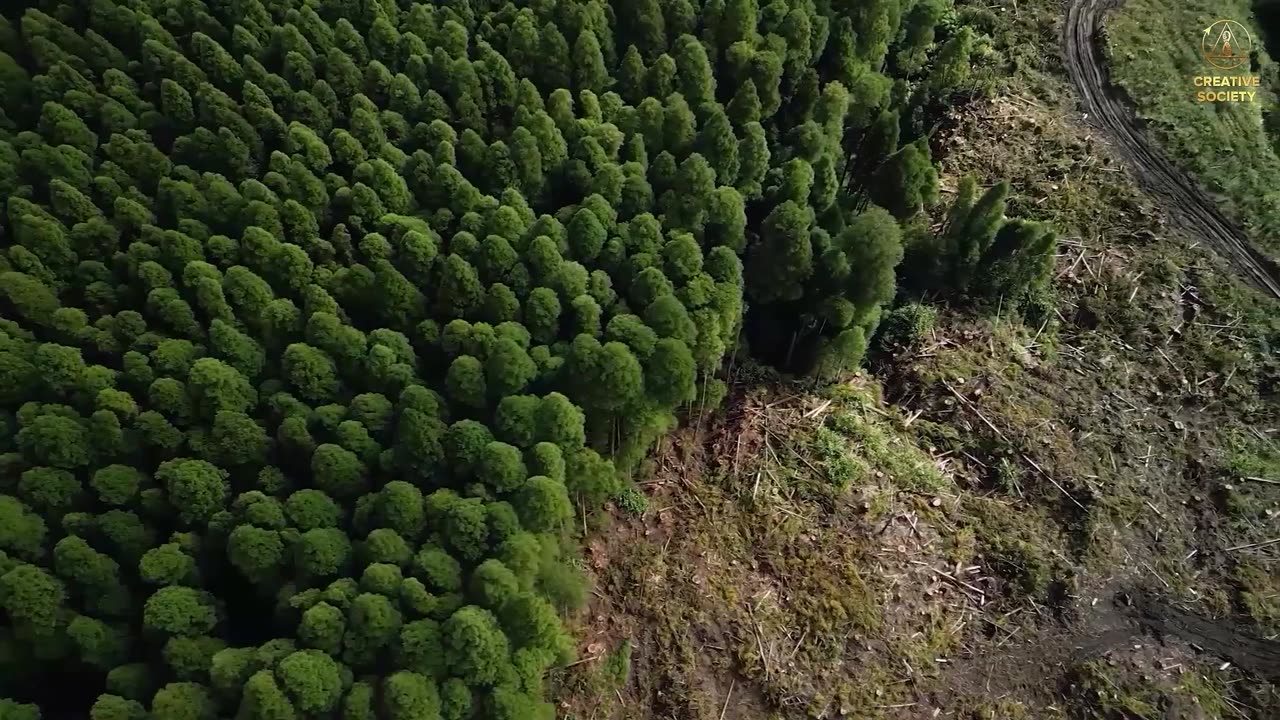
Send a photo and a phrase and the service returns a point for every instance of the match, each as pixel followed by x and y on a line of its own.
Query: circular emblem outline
pixel 1226 44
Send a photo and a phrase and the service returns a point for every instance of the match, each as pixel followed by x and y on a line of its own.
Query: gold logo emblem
pixel 1226 44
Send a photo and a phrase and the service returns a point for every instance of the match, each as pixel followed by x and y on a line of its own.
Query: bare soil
pixel 1221 637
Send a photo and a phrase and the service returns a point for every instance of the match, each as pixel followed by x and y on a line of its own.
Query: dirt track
pixel 1179 193
pixel 1218 637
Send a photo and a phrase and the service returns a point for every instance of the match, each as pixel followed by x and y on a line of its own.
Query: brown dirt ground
pixel 745 597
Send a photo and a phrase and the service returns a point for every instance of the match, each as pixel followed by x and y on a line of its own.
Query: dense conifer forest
pixel 323 323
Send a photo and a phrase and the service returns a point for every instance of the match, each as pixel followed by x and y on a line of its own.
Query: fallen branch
pixel 583 660
pixel 1265 543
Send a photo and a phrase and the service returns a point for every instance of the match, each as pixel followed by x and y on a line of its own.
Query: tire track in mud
pixel 1218 637
pixel 1108 109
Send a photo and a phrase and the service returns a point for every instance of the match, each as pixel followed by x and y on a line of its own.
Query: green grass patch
pixel 1260 595
pixel 1248 456
pixel 617 666
pixel 631 500
pixel 842 468
pixel 1155 53
pixel 874 443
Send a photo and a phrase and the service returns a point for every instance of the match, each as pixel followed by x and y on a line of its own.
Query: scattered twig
pixel 1005 438
pixel 991 342
pixel 1249 546
pixel 1025 101
pixel 1009 637
pixel 764 659
pixel 1056 484
pixel 784 400
pixel 1036 606
pixel 737 452
pixel 799 642
pixel 976 460
pixel 959 582
pixel 1136 286
pixel 1126 401
pixel 814 412
pixel 1086 263
pixel 583 660
pixel 1229 376
pixel 1074 264
pixel 705 511
pixel 1236 707
pixel 1042 327
pixel 1172 364
pixel 702 408
pixel 1262 480
pixel 975 410
pixel 1158 576
pixel 728 695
